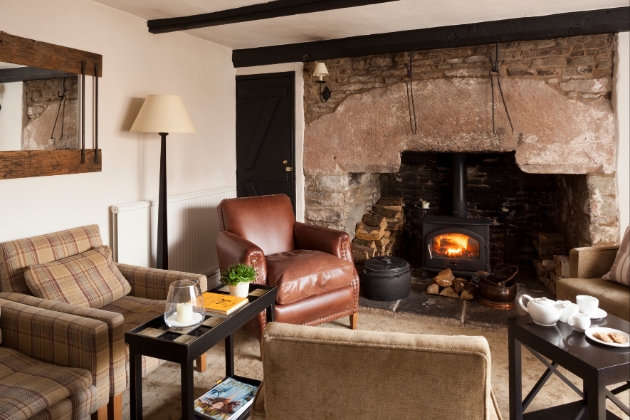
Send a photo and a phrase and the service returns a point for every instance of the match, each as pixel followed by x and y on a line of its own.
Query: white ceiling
pixel 379 18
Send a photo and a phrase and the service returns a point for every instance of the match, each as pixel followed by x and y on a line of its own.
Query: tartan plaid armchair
pixel 52 366
pixel 149 289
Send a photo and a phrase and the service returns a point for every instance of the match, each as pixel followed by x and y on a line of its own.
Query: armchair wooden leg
pixel 114 408
pixel 200 363
pixel 100 414
pixel 354 321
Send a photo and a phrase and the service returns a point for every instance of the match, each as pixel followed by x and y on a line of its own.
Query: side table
pixel 598 365
pixel 155 339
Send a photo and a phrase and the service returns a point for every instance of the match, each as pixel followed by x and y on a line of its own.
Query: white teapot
pixel 545 312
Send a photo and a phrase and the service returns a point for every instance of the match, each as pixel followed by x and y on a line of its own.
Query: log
pixel 549 265
pixel 387 234
pixel 382 242
pixel 394 226
pixel 458 284
pixel 388 249
pixel 469 292
pixel 449 292
pixel 444 278
pixel 384 211
pixel 433 289
pixel 362 242
pixel 360 254
pixel 376 220
pixel 368 233
pixel 390 202
pixel 562 265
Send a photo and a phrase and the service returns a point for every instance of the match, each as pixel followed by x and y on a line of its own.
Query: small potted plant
pixel 238 277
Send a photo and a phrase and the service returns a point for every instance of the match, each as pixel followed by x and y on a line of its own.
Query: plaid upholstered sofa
pixel 52 366
pixel 149 289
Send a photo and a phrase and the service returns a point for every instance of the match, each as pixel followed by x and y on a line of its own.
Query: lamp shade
pixel 320 71
pixel 163 114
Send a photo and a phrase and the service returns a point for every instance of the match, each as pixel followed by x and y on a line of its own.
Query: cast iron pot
pixel 386 278
pixel 498 290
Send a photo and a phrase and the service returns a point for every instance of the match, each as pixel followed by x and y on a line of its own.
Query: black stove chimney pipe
pixel 459 185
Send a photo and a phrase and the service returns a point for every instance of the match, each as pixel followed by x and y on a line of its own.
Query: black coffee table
pixel 598 365
pixel 191 345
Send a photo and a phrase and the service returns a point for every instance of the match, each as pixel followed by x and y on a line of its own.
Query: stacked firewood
pixel 378 233
pixel 446 284
pixel 552 262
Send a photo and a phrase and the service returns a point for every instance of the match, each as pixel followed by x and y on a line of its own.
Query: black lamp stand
pixel 162 236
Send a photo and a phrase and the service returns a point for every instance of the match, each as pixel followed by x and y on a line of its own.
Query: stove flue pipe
pixel 459 185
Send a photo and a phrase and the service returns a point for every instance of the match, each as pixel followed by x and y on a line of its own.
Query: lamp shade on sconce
pixel 163 114
pixel 320 71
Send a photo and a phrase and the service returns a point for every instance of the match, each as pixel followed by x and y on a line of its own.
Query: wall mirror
pixel 42 109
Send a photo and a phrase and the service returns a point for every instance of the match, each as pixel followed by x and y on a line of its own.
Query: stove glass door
pixel 455 245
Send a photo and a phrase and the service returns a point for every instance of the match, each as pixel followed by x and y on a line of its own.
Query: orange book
pixel 216 303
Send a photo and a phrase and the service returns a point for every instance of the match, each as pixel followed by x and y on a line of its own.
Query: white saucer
pixel 589 333
pixel 599 313
pixel 172 320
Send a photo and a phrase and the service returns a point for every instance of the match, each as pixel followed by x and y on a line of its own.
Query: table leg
pixel 135 385
pixel 271 313
pixel 188 388
pixel 596 397
pixel 229 355
pixel 516 383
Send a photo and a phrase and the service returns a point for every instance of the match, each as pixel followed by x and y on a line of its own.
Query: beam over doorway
pixel 268 10
pixel 509 30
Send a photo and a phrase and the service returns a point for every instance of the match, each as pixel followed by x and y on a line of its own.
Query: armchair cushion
pixel 16 255
pixel 302 273
pixel 87 279
pixel 620 271
pixel 153 283
pixel 28 386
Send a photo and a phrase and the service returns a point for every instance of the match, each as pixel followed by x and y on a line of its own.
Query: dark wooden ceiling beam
pixel 23 74
pixel 510 30
pixel 269 10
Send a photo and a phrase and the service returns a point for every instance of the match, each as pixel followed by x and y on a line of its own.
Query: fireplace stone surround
pixel 558 95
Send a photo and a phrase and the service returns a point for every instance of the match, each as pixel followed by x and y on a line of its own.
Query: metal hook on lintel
pixel 413 121
pixel 495 70
pixel 83 112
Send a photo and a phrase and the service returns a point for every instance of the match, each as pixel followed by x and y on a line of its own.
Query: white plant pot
pixel 240 290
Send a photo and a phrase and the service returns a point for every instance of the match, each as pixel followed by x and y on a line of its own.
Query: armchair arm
pixel 232 249
pixel 591 262
pixel 116 331
pixel 59 339
pixel 322 239
pixel 153 283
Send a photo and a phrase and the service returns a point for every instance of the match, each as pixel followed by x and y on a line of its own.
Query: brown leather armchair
pixel 310 265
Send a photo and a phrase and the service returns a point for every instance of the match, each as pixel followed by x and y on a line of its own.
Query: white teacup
pixel 587 304
pixel 580 321
pixel 569 310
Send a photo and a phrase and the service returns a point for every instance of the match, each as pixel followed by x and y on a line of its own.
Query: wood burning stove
pixel 456 242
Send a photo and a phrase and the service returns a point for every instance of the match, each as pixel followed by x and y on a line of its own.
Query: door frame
pixel 291 75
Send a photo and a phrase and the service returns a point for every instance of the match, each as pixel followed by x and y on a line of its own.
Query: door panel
pixel 265 135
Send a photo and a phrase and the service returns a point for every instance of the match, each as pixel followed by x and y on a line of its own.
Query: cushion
pixel 28 386
pixel 303 273
pixel 89 279
pixel 620 271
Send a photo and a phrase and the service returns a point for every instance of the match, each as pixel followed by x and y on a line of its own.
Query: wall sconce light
pixel 320 72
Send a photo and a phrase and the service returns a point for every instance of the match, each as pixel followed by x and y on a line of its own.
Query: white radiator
pixel 192 231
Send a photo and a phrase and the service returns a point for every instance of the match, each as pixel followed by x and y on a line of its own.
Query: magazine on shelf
pixel 217 303
pixel 226 401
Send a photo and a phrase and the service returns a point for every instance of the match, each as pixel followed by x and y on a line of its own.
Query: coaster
pixel 257 292
pixel 151 332
pixel 185 339
pixel 212 321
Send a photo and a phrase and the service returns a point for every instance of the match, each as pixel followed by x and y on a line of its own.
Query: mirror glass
pixel 38 109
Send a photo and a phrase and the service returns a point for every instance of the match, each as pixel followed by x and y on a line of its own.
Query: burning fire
pixel 455 245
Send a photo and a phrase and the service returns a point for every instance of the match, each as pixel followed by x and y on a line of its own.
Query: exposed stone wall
pixel 339 201
pixel 42 106
pixel 518 203
pixel 587 210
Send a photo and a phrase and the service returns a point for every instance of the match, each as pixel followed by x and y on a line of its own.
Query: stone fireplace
pixel 554 172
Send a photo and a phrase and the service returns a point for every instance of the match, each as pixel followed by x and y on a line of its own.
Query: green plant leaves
pixel 238 273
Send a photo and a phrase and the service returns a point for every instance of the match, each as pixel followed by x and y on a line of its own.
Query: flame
pixel 451 244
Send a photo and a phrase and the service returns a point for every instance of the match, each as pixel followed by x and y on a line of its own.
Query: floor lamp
pixel 162 114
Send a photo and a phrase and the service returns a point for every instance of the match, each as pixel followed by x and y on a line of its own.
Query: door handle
pixel 288 169
pixel 285 162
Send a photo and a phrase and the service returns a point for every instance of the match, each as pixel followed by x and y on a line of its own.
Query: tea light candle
pixel 184 312
pixel 425 204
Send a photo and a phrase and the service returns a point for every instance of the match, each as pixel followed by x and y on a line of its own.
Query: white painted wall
pixel 621 104
pixel 299 123
pixel 11 116
pixel 135 64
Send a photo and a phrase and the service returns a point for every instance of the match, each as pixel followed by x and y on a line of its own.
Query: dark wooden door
pixel 265 140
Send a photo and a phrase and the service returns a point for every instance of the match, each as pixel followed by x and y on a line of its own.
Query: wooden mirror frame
pixel 31 163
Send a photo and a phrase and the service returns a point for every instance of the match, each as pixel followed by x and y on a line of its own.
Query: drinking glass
pixel 184 304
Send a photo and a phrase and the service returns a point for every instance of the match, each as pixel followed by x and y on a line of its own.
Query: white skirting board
pixel 193 225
